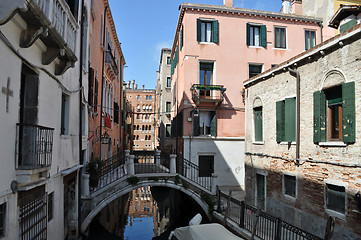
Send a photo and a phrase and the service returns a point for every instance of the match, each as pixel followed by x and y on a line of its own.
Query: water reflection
pixel 145 213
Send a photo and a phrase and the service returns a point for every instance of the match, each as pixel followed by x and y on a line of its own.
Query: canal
pixel 144 213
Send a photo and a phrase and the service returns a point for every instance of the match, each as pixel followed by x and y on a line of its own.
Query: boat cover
pixel 212 231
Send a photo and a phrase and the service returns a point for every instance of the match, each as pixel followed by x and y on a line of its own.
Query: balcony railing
pixel 109 58
pixel 34 146
pixel 207 93
pixel 61 18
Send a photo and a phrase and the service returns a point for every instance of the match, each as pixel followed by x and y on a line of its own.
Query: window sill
pixel 287 143
pixel 256 47
pixel 290 198
pixel 333 213
pixel 275 48
pixel 332 144
pixel 258 142
pixel 211 43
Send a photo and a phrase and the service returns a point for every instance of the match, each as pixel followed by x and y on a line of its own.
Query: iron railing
pixel 207 93
pixel 113 169
pixel 33 219
pixel 268 227
pixel 191 171
pixel 34 146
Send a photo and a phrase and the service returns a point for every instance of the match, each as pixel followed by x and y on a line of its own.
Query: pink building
pixel 215 49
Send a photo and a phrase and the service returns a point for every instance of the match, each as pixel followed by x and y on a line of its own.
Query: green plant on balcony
pixel 94 169
pixel 208 87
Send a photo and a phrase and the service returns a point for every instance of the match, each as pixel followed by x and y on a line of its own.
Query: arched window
pixel 257 119
pixel 146 137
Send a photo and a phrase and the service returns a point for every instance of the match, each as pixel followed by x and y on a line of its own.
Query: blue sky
pixel 144 27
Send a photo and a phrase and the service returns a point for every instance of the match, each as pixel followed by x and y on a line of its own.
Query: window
pixel 167 130
pixel 207 30
pixel 334 114
pixel 280 37
pixel 335 198
pixel 147 97
pixel 85 41
pixel 289 185
pixel 2 219
pixel 286 120
pixel 204 123
pixel 64 129
pixel 348 25
pixel 310 39
pixel 138 97
pixel 168 60
pixel 169 82
pixel 181 39
pixel 205 77
pixel 83 119
pixel 50 206
pixel 254 69
pixel 167 107
pixel 150 98
pixel 206 165
pixel 258 128
pixel 274 65
pixel 256 35
pixel 260 191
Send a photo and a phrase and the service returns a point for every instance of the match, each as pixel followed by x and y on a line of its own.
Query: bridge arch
pixel 102 204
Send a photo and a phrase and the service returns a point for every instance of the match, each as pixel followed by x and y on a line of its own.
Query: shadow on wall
pixel 300 201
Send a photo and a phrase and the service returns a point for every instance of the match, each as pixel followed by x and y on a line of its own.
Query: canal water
pixel 145 213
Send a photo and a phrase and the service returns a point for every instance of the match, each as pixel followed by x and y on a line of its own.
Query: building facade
pixel 164 100
pixel 105 93
pixel 143 117
pixel 303 138
pixel 215 49
pixel 43 111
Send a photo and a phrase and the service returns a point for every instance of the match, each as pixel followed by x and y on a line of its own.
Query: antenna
pixel 242 3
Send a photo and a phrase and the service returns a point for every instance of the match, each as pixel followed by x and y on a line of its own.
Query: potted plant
pixel 93 168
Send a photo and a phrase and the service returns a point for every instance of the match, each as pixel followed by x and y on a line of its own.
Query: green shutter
pixel 316 117
pixel 181 39
pixel 263 36
pixel 213 124
pixel 248 34
pixel 198 30
pixel 348 112
pixel 172 66
pixel 196 130
pixel 280 121
pixel 258 128
pixel 319 117
pixel 215 31
pixel 290 119
pixel 348 25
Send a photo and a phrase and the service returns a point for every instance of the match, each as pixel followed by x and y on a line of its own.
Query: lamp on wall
pixel 105 138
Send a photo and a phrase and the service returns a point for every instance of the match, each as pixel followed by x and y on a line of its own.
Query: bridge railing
pixel 267 227
pixel 113 169
pixel 150 162
pixel 191 171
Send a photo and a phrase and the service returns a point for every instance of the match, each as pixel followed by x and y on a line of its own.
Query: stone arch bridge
pixel 121 175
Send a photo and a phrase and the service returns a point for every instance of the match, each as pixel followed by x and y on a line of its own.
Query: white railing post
pixel 85 187
pixel 214 183
pixel 131 165
pixel 172 165
pixel 157 157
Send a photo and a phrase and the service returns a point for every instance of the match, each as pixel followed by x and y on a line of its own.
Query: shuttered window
pixel 348 25
pixel 286 120
pixel 334 114
pixel 258 128
pixel 181 39
pixel 207 31
pixel 256 35
pixel 280 37
pixel 335 198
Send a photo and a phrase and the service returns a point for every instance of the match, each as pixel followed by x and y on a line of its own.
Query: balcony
pixel 51 21
pixel 110 59
pixel 34 146
pixel 207 93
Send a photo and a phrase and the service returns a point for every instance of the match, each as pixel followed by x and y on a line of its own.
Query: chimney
pixel 143 86
pixel 297 7
pixel 128 84
pixel 228 3
pixel 136 86
pixel 133 81
pixel 286 7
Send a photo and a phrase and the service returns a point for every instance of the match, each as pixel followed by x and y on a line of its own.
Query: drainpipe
pixel 295 72
pixel 80 171
pixel 321 26
pixel 101 105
